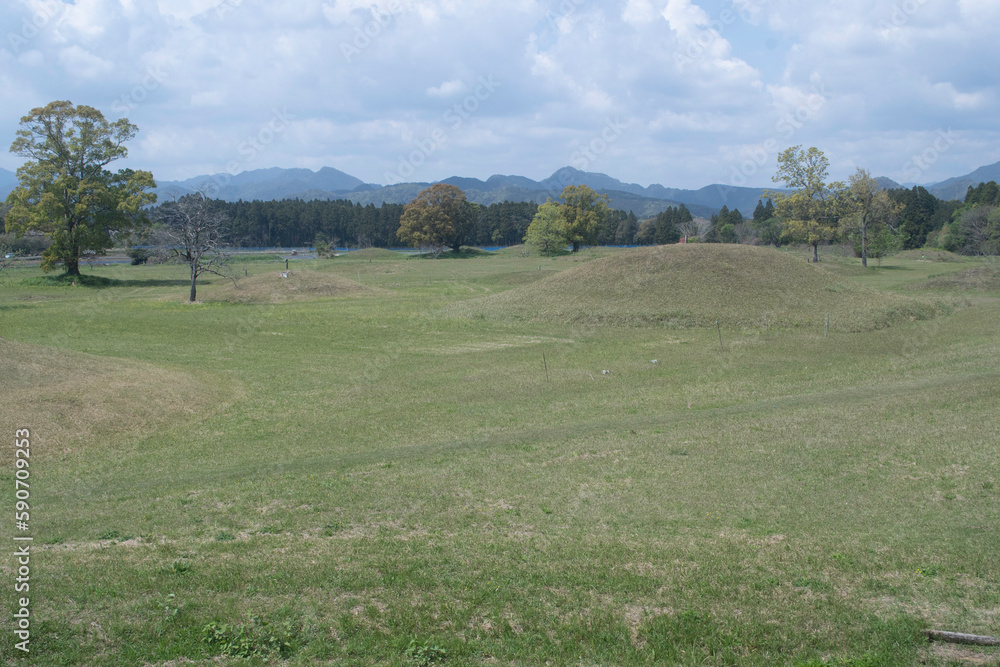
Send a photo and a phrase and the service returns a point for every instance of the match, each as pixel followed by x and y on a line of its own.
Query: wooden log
pixel 960 638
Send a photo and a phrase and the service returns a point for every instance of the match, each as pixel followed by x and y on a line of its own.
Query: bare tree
pixel 693 229
pixel 868 206
pixel 979 230
pixel 745 233
pixel 190 230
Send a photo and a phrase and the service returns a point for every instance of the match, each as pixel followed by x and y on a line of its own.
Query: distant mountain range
pixel 8 181
pixel 645 202
pixel 955 188
pixel 330 183
pixel 267 184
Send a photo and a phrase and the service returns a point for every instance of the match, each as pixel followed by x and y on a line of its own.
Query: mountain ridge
pixel 275 183
pixel 955 188
pixel 644 201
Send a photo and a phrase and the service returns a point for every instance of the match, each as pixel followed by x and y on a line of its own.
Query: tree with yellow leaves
pixel 811 210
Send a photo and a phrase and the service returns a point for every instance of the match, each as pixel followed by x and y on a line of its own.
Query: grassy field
pixel 390 460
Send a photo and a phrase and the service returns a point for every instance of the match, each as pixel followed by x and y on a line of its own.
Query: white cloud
pixel 209 98
pixel 87 18
pixel 639 11
pixel 31 59
pixel 447 89
pixel 979 10
pixel 699 89
pixel 78 62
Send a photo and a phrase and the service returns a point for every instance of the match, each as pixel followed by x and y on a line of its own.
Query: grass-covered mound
pixel 64 280
pixel 462 253
pixel 979 279
pixel 929 256
pixel 695 285
pixel 73 401
pixel 280 286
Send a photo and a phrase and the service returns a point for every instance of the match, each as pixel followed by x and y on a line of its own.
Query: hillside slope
pixel 695 285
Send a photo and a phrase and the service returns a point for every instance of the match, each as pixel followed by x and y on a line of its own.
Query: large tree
pixel 868 206
pixel 583 210
pixel 918 215
pixel 667 223
pixel 547 231
pixel 192 231
pixel 978 230
pixel 439 217
pixel 811 209
pixel 64 189
pixel 626 230
pixel 769 229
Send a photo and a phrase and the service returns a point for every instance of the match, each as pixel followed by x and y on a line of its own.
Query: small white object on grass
pixel 653 361
pixel 605 372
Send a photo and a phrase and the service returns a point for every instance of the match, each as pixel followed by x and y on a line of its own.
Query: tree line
pixel 874 220
pixel 974 227
pixel 297 223
pixel 67 204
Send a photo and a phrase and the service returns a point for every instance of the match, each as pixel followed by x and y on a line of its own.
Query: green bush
pixel 139 255
pixel 255 638
pixel 29 244
pixel 425 653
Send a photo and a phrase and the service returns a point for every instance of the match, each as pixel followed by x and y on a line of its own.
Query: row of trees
pixel 66 193
pixel 974 229
pixel 441 217
pixel 814 211
pixel 295 223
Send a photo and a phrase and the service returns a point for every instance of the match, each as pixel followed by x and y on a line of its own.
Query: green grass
pixel 741 287
pixel 371 479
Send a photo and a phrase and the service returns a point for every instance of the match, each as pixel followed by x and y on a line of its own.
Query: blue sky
pixel 679 92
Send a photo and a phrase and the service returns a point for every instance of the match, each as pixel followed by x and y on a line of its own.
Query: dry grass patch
pixel 500 344
pixel 951 654
pixel 73 401
pixel 293 285
pixel 695 285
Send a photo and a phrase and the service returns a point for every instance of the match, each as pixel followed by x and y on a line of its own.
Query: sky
pixel 684 93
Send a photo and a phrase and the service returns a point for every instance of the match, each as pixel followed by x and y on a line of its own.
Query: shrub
pixel 139 255
pixel 255 638
pixel 425 653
